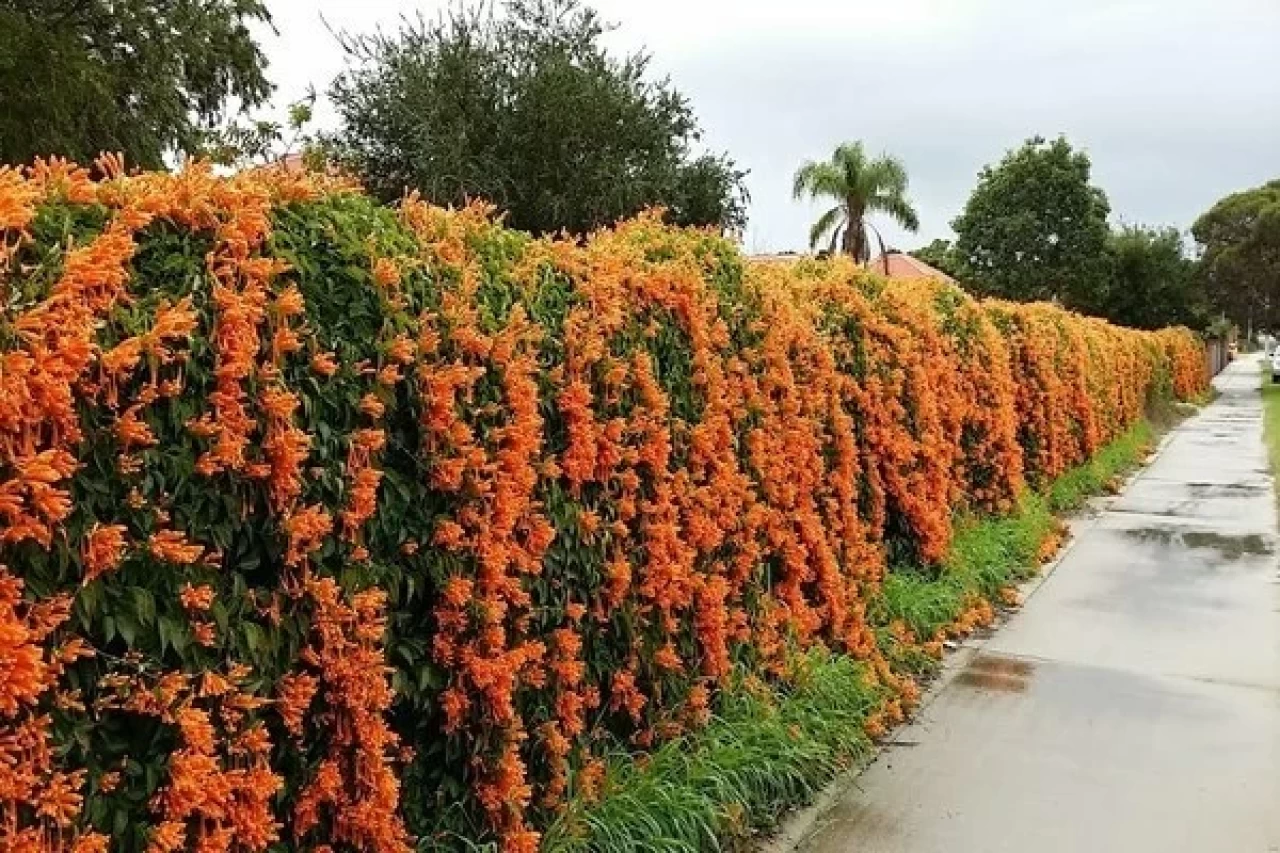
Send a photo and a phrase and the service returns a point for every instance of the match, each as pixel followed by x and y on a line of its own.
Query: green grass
pixel 1271 417
pixel 1070 491
pixel 770 749
pixel 986 555
pixel 765 752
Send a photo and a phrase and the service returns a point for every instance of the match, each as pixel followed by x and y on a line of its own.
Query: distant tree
pixel 709 190
pixel 246 142
pixel 941 255
pixel 146 77
pixel 1239 238
pixel 1152 282
pixel 1035 228
pixel 523 106
pixel 858 186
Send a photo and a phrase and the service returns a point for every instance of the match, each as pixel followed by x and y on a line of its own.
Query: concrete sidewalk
pixel 1133 704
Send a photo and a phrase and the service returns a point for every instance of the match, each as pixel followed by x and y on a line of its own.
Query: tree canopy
pixel 1152 283
pixel 1149 280
pixel 1035 227
pixel 859 185
pixel 145 77
pixel 1240 241
pixel 524 107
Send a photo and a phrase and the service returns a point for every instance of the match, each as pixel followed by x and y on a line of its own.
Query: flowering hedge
pixel 332 526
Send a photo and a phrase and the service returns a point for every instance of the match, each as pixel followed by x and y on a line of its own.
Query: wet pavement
pixel 1133 703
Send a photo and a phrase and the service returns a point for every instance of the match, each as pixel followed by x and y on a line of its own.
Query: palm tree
pixel 859 186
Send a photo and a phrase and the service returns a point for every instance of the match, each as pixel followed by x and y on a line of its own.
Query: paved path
pixel 1133 704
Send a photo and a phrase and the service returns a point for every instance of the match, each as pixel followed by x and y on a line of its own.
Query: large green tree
pixel 1152 283
pixel 524 106
pixel 1240 263
pixel 1036 228
pixel 859 186
pixel 146 77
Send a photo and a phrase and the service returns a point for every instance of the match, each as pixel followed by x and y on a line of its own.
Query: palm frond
pixel 817 180
pixel 832 219
pixel 836 234
pixel 886 174
pixel 851 157
pixel 859 185
pixel 897 206
pixel 886 191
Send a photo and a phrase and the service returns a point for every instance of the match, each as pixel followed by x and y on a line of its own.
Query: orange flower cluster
pixel 1081 381
pixel 354 794
pixel 220 787
pixel 40 804
pixel 565 488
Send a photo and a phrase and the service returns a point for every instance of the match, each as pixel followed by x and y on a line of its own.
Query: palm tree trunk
pixel 855 234
pixel 855 237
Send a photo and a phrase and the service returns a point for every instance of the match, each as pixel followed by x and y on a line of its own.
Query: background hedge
pixel 330 525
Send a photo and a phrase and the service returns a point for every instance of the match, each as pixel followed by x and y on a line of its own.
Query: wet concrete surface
pixel 1133 704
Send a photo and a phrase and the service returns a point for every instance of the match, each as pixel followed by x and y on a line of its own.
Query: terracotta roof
pixel 902 265
pixel 297 162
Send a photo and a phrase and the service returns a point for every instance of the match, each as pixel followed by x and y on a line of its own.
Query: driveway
pixel 1133 703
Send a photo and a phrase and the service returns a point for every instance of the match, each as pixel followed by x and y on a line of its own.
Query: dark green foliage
pixel 145 77
pixel 1035 228
pixel 526 109
pixel 1152 284
pixel 1240 240
pixel 332 246
pixel 328 245
pixel 941 255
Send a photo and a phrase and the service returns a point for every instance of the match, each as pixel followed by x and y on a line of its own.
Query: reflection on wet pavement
pixel 1230 547
pixel 996 672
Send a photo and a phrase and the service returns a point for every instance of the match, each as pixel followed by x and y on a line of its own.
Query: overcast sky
pixel 1176 101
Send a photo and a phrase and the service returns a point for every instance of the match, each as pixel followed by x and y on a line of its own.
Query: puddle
pixel 853 817
pixel 1000 665
pixel 1156 535
pixel 1231 547
pixel 1160 513
pixel 997 674
pixel 1227 490
pixel 992 682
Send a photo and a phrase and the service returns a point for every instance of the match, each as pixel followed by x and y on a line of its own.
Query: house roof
pixel 779 258
pixel 901 265
pixel 295 161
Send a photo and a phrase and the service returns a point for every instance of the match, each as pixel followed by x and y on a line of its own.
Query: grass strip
pixel 989 554
pixel 770 749
pixel 1119 458
pixel 1271 417
pixel 766 751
